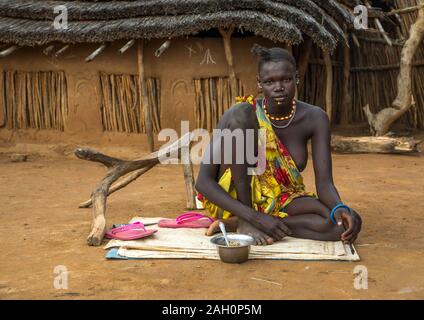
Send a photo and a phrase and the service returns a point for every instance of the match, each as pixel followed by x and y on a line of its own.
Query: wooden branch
pixel 381 122
pixel 48 49
pixel 8 51
pixel 374 144
pixel 61 50
pixel 321 62
pixel 380 27
pixel 120 184
pixel 95 53
pixel 91 155
pixel 117 169
pixel 144 100
pixel 355 40
pixel 226 36
pixel 396 42
pixel 162 48
pixel 328 83
pixel 416 33
pixel 404 10
pixel 384 67
pixel 128 45
pixel 383 32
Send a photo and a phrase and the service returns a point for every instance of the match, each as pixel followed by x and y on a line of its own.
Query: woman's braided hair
pixel 271 54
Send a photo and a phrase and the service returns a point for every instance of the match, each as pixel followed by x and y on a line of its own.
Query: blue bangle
pixel 333 211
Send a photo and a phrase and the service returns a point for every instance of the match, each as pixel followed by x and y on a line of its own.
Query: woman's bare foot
pixel 260 237
pixel 230 226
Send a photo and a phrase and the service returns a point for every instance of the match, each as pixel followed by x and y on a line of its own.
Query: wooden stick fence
pixel 373 75
pixel 119 103
pixel 35 100
pixel 213 97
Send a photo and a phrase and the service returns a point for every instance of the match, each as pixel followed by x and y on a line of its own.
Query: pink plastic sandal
pixel 190 219
pixel 131 231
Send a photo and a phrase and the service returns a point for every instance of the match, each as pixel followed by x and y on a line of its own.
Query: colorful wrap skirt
pixel 276 187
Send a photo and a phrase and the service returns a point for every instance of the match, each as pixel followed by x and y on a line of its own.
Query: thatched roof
pixel 26 22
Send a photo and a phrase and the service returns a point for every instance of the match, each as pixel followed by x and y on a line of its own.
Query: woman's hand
pixel 352 222
pixel 272 226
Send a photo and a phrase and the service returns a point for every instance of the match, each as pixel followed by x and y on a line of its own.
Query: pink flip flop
pixel 187 220
pixel 131 231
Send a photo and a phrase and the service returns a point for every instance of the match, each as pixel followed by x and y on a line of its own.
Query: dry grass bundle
pixel 212 99
pixel 35 99
pixel 120 103
pixel 29 22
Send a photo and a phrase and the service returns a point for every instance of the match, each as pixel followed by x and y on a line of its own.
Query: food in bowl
pixel 238 249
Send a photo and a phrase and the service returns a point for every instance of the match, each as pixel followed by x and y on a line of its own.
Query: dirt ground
pixel 42 228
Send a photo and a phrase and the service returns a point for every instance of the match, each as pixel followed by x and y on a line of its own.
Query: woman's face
pixel 278 81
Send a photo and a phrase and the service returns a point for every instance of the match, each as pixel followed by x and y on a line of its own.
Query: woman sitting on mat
pixel 274 204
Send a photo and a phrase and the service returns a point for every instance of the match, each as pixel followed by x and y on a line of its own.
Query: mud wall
pixel 175 68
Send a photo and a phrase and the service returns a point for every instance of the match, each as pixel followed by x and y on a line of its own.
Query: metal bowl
pixel 233 254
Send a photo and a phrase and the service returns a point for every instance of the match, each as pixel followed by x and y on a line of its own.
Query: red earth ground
pixel 42 227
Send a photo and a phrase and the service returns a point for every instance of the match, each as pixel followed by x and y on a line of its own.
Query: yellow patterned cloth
pixel 273 190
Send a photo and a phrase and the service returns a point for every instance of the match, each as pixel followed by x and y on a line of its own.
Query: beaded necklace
pixel 290 116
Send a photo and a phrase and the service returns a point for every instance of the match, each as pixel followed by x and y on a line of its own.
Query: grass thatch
pixel 28 22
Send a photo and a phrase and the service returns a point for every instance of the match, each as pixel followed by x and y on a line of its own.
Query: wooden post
pixel 328 83
pixel 188 176
pixel 226 36
pixel 2 102
pixel 189 182
pixel 289 48
pixel 346 103
pixel 302 64
pixel 144 100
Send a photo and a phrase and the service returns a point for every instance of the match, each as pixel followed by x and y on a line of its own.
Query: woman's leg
pixel 309 218
pixel 241 118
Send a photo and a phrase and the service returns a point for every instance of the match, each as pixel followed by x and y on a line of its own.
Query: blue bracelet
pixel 333 211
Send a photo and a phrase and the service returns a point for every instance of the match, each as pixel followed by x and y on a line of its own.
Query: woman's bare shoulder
pixel 312 111
pixel 237 110
pixel 237 107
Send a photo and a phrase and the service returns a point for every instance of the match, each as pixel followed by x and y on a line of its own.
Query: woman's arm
pixel 208 186
pixel 327 192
